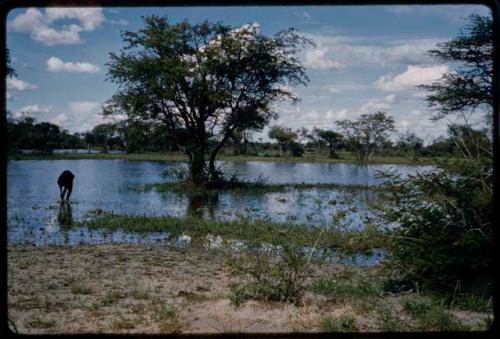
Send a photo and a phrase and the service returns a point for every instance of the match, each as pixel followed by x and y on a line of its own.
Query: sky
pixel 365 59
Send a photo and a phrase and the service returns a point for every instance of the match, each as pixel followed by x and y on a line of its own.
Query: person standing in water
pixel 65 182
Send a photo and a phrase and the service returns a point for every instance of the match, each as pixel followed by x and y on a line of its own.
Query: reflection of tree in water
pixel 196 203
pixel 65 218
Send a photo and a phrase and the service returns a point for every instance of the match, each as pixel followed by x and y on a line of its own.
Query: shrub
pixel 271 274
pixel 443 240
pixel 275 268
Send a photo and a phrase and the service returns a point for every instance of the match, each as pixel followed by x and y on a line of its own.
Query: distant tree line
pixel 364 137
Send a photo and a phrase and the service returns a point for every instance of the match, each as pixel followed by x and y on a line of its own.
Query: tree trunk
pixel 212 170
pixel 197 167
pixel 332 152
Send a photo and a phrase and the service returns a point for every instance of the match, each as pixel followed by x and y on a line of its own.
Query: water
pixel 35 216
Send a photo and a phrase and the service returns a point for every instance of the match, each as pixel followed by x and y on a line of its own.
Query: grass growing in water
pixel 246 187
pixel 259 230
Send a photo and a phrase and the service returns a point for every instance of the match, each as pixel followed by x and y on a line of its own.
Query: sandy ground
pixel 146 289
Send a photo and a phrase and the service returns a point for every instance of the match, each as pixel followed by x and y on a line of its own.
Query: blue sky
pixel 367 58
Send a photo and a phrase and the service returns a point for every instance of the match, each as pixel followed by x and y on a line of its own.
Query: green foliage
pixel 388 320
pixel 286 139
pixel 474 301
pixel 444 237
pixel 445 217
pixel 194 80
pixel 334 140
pixel 368 134
pixel 469 87
pixel 345 323
pixel 431 316
pixel 25 133
pixel 345 289
pixel 272 273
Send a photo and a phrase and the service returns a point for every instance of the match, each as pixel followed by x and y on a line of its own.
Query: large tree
pixel 368 134
pixel 203 82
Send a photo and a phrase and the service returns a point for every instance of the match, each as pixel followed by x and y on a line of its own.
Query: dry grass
pixel 155 289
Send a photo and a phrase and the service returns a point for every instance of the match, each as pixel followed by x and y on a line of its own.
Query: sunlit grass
pixel 261 230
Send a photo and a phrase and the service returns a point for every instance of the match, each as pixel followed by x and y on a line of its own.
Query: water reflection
pixel 65 219
pixel 65 216
pixel 199 204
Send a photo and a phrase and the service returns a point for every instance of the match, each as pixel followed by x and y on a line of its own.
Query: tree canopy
pixel 469 87
pixel 204 81
pixel 367 134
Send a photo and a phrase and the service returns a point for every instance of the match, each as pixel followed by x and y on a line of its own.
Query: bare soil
pixel 152 289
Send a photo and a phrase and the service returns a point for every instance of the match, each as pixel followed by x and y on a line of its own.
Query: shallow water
pixel 35 216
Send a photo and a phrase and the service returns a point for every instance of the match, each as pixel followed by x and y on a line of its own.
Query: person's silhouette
pixel 65 182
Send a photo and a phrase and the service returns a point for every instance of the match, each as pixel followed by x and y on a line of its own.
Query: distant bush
pixel 296 149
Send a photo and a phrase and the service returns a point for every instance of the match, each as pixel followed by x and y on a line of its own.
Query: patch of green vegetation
pixel 140 294
pixel 111 298
pixel 345 323
pixel 165 315
pixel 123 324
pixel 474 302
pixel 260 230
pixel 40 323
pixel 347 287
pixel 432 316
pixel 245 187
pixel 388 320
pixel 165 311
pixel 271 275
pixel 79 289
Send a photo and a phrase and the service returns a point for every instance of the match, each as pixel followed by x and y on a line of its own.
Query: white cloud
pixel 294 117
pixel 19 85
pixel 57 65
pixel 373 105
pixel 84 116
pixel 454 13
pixel 411 78
pixel 59 119
pixel 31 110
pixel 121 22
pixel 89 18
pixel 49 36
pixel 9 96
pixel 42 25
pixel 343 87
pixel 84 107
pixel 375 51
pixel 316 58
pixel 418 121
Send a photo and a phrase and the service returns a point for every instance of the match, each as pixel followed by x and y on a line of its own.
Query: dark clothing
pixel 65 180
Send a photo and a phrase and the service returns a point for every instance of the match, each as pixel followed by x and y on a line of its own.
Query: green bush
pixel 271 274
pixel 443 238
pixel 274 268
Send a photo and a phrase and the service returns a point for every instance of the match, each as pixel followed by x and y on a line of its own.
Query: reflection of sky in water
pixel 34 215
